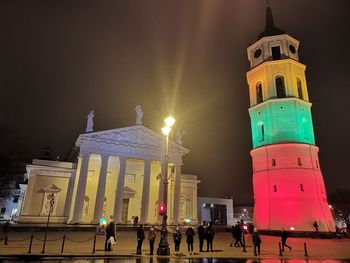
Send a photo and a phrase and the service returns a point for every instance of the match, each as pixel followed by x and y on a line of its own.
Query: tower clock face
pixel 257 53
pixel 292 49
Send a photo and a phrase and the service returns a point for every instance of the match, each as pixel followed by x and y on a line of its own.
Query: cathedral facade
pixel 118 176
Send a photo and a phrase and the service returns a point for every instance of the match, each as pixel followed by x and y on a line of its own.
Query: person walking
pixel 110 233
pixel 140 238
pixel 190 234
pixel 316 226
pixel 284 236
pixel 151 238
pixel 5 230
pixel 256 242
pixel 177 240
pixel 237 234
pixel 209 236
pixel 201 236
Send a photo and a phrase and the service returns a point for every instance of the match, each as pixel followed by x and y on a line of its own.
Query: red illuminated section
pixel 289 191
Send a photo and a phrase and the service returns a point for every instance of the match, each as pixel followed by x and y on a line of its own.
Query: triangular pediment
pixel 137 135
pixel 128 190
pixel 50 189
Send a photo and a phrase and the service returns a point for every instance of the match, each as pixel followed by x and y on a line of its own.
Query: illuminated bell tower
pixel 288 184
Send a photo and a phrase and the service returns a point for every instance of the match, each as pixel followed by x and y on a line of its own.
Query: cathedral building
pixel 118 176
pixel 289 191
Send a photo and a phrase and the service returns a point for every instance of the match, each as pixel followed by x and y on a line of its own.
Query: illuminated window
pixel 300 90
pixel 273 162
pixel 275 188
pixel 301 188
pixel 280 87
pixel 276 53
pixel 299 161
pixel 259 93
pixel 261 132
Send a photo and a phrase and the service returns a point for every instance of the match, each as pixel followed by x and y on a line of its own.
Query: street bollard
pixel 93 249
pixel 64 240
pixel 244 250
pixel 30 244
pixel 305 250
pixel 280 248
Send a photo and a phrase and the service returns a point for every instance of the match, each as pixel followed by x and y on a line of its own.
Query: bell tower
pixel 288 184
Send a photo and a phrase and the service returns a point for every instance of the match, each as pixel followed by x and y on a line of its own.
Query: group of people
pixel 205 232
pixel 238 232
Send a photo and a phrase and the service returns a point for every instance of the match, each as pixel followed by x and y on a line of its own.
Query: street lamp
pixel 163 248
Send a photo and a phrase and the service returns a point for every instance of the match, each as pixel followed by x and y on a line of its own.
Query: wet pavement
pixel 81 244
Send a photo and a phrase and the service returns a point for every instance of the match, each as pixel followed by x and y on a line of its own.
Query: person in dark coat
pixel 5 230
pixel 177 240
pixel 110 232
pixel 151 238
pixel 237 235
pixel 284 236
pixel 140 238
pixel 256 242
pixel 209 236
pixel 201 236
pixel 190 234
pixel 136 220
pixel 316 226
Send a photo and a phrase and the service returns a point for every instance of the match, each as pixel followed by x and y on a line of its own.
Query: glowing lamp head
pixel 169 121
pixel 166 130
pixel 292 228
pixel 245 227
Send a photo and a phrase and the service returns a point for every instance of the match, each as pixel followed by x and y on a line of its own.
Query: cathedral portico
pixel 119 176
pixel 133 166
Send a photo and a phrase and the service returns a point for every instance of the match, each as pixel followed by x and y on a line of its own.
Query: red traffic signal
pixel 162 210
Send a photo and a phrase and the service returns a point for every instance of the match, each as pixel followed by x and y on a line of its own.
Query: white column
pixel 145 192
pixel 79 198
pixel 118 203
pixel 100 195
pixel 177 192
pixel 194 203
pixel 161 190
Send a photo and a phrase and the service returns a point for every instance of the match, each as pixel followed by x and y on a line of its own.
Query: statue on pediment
pixel 90 122
pixel 139 115
pixel 178 136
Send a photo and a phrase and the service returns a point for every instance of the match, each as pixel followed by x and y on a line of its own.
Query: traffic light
pixel 162 209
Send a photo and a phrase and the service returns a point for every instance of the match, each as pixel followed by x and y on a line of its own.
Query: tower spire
pixel 270 28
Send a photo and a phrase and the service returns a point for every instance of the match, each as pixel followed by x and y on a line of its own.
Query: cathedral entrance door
pixel 125 208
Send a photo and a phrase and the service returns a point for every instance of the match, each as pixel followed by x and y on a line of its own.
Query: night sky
pixel 61 59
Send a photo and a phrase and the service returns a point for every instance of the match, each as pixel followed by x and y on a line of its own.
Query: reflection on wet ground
pixel 172 260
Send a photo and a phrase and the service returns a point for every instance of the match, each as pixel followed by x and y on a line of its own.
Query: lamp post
pixel 163 247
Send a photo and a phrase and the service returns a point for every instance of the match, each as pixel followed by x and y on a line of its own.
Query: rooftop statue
pixel 178 136
pixel 139 115
pixel 90 122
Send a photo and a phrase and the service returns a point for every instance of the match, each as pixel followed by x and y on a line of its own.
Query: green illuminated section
pixel 280 121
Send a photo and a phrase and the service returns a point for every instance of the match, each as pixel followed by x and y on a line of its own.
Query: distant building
pixel 217 210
